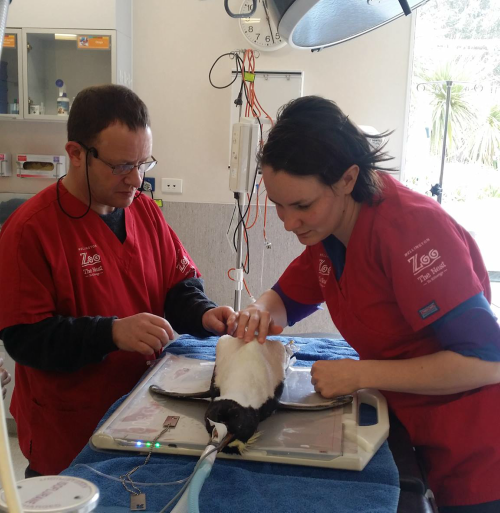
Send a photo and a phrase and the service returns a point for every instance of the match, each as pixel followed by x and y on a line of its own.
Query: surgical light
pixel 316 24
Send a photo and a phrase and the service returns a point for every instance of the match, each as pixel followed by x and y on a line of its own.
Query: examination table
pixel 385 485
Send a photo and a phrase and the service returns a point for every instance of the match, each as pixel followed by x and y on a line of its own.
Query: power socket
pixel 171 185
pixel 151 181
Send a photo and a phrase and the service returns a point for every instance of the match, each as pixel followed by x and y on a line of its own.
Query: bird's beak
pixel 225 441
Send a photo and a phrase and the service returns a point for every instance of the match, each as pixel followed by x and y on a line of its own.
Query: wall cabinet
pixel 11 75
pixel 34 61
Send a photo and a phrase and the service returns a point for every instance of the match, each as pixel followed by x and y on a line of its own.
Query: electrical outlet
pixel 171 185
pixel 151 181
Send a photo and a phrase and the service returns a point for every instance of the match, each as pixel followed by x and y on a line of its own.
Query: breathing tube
pixel 190 499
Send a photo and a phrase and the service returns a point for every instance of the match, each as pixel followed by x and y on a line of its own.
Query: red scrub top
pixel 54 265
pixel 407 264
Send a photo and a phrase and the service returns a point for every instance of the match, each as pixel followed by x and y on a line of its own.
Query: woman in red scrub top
pixel 404 284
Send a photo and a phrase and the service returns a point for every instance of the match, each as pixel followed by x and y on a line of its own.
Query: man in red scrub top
pixel 94 282
pixel 404 284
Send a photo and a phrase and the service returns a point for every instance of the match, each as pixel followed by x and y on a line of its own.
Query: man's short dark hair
pixel 97 107
pixel 313 137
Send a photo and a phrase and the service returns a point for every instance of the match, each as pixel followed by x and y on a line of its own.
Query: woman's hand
pixel 332 378
pixel 441 373
pixel 253 321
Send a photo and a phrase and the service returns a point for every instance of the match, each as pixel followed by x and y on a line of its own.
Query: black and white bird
pixel 247 383
pixel 246 387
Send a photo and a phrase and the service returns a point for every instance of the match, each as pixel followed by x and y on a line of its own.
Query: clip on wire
pixel 171 421
pixel 249 77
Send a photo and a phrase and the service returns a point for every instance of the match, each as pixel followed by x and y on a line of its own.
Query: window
pixel 459 41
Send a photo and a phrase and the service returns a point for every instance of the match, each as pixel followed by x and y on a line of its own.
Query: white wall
pixel 175 44
pixel 95 14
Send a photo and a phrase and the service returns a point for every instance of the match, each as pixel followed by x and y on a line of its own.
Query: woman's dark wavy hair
pixel 313 137
pixel 97 107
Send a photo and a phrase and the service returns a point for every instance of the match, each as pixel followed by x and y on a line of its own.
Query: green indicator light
pixel 157 444
pixel 148 444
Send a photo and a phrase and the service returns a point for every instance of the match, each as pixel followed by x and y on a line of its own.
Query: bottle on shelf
pixel 14 107
pixel 62 99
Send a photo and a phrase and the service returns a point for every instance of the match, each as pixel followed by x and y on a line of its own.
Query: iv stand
pixel 449 83
pixel 240 205
pixel 437 189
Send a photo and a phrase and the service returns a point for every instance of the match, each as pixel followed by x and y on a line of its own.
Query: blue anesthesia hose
pixel 189 500
pixel 199 479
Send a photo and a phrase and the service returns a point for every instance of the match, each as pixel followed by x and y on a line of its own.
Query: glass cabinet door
pixel 10 75
pixel 59 64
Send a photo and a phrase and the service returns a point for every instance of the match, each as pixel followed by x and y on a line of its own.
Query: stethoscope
pixel 93 152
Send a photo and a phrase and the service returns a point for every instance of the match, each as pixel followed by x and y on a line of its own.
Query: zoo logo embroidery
pixel 91 264
pixel 182 265
pixel 324 268
pixel 419 264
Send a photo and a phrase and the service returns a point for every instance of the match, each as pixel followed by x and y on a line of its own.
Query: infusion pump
pixel 244 146
pixel 245 139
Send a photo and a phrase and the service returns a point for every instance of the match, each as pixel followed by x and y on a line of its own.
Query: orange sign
pixel 9 41
pixel 93 42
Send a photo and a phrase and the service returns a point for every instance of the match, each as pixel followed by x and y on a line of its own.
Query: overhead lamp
pixel 317 24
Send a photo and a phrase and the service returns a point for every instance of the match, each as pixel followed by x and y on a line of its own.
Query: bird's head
pixel 241 423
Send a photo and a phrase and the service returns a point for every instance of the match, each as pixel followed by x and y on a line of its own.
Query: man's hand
pixel 144 333
pixel 332 378
pixel 253 321
pixel 4 378
pixel 215 320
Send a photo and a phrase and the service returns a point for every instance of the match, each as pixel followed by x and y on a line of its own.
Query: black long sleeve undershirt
pixel 63 344
pixel 66 344
pixel 185 305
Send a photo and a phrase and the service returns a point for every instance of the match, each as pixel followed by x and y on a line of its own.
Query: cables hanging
pixel 245 69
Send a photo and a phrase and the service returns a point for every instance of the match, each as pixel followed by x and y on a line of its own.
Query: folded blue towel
pixel 245 486
pixel 310 349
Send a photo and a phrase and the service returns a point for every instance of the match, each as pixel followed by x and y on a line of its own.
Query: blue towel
pixel 310 349
pixel 245 486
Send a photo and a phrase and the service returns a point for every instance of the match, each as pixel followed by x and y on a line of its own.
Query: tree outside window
pixel 459 41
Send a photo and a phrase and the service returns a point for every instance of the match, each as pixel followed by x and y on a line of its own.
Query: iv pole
pixel 240 205
pixel 449 83
pixel 239 195
pixel 437 189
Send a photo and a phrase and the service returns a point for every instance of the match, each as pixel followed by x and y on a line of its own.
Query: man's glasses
pixel 123 169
